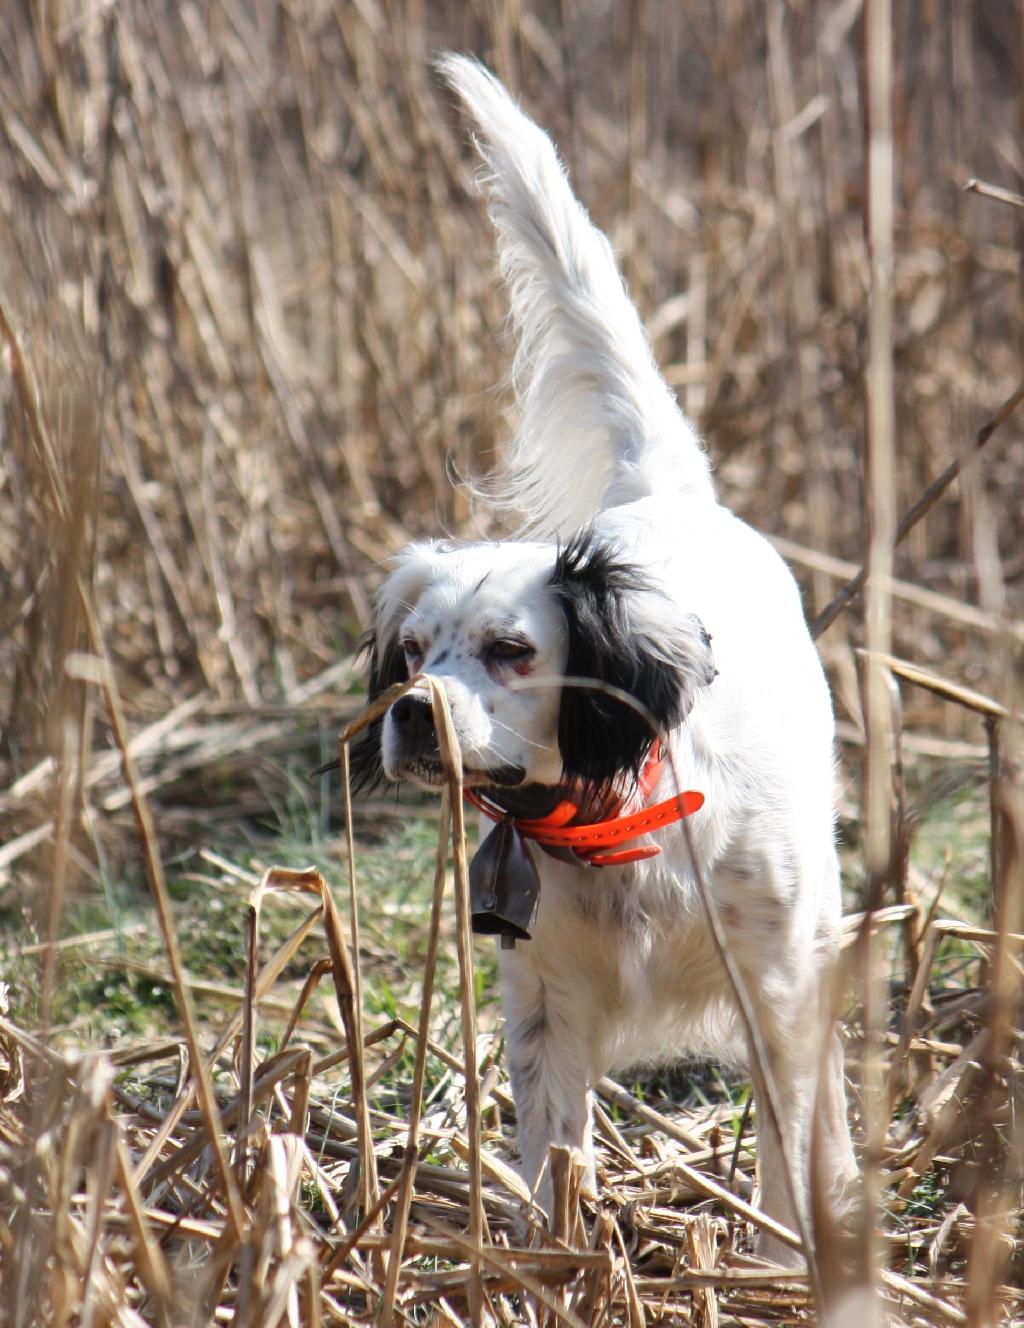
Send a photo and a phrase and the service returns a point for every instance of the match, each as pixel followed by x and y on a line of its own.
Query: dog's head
pixel 560 664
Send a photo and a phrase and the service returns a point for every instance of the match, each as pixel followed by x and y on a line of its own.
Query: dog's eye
pixel 509 652
pixel 413 649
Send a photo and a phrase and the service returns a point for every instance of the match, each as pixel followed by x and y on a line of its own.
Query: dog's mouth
pixel 533 802
pixel 505 786
pixel 429 772
pixel 527 802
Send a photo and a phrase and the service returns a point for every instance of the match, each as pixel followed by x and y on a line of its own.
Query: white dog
pixel 678 616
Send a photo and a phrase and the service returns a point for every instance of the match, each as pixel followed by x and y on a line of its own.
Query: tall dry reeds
pixel 253 298
pixel 248 333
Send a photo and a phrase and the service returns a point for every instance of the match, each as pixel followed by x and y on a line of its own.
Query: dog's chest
pixel 636 944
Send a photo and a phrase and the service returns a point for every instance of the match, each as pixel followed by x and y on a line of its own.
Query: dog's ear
pixel 629 640
pixel 387 666
pixel 413 568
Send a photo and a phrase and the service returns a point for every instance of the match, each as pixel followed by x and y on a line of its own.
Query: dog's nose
pixel 415 717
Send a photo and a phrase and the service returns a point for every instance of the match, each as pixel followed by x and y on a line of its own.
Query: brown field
pixel 250 333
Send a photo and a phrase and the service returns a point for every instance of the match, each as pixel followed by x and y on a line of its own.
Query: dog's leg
pixel 834 1157
pixel 786 962
pixel 806 1064
pixel 835 1163
pixel 550 1069
pixel 784 1134
pixel 811 1111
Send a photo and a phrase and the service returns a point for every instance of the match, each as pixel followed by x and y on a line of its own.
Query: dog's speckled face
pixel 481 619
pixel 558 664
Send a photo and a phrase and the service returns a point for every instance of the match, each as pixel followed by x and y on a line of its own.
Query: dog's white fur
pixel 622 967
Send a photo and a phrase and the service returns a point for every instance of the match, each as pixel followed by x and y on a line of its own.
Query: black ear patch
pixel 619 637
pixel 387 666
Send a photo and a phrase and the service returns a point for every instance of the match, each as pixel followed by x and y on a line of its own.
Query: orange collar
pixel 589 844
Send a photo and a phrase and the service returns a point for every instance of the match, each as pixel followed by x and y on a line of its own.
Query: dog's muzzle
pixel 413 717
pixel 415 750
pixel 419 752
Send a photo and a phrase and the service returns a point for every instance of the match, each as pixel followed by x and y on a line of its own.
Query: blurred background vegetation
pixel 253 300
pixel 251 334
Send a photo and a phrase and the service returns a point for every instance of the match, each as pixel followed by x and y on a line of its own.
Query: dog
pixel 636 647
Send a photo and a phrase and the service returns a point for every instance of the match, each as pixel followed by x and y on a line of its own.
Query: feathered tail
pixel 598 425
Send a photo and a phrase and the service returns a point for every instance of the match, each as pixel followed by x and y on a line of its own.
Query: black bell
pixel 504 887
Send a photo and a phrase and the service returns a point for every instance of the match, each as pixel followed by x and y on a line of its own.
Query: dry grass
pixel 287 1187
pixel 248 327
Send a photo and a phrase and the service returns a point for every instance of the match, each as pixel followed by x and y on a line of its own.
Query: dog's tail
pixel 598 425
